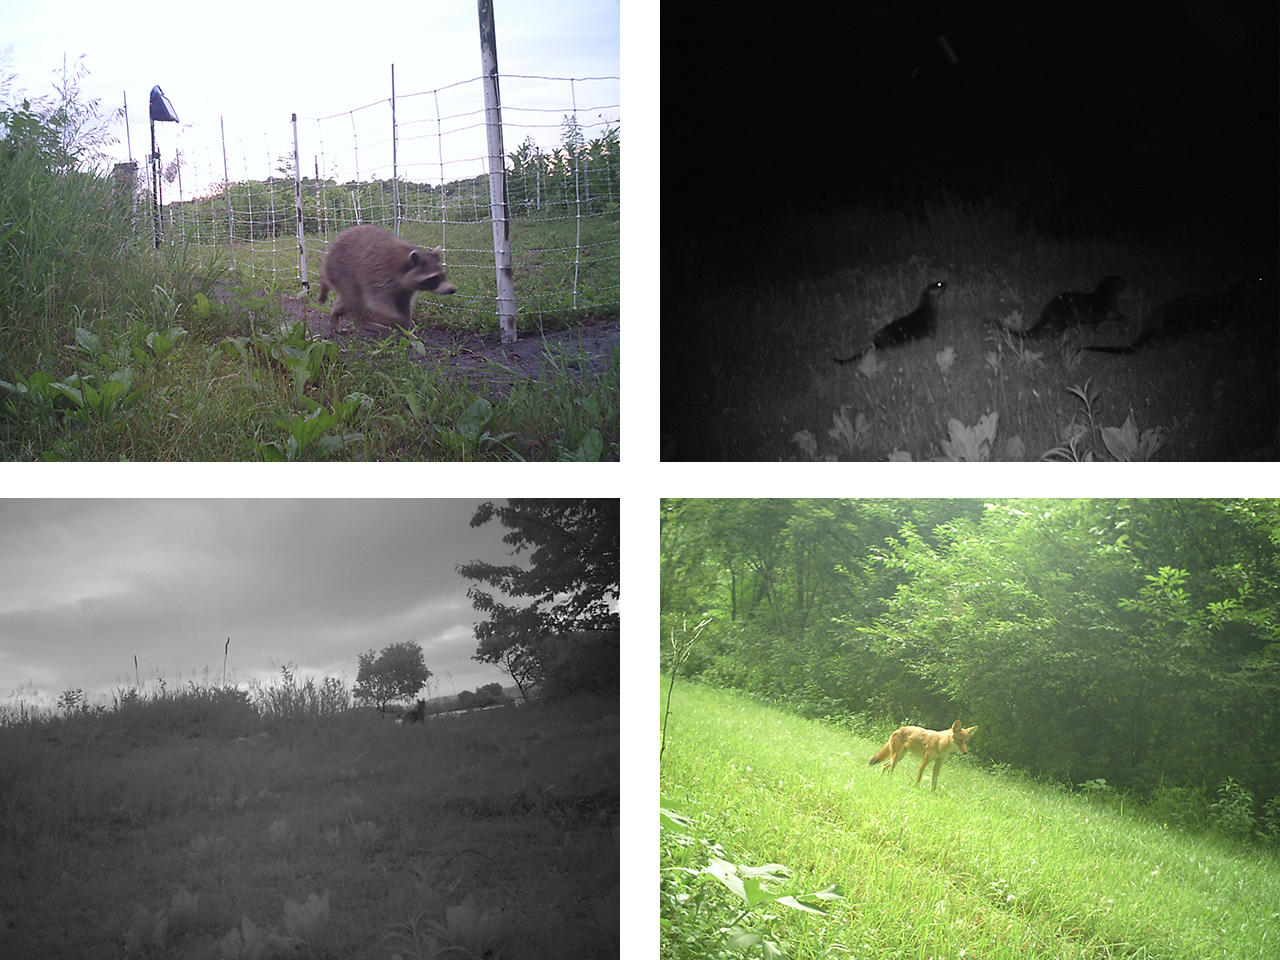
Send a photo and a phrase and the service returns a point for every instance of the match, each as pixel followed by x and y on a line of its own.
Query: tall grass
pixel 72 251
pixel 306 701
pixel 196 708
pixel 185 824
pixel 990 866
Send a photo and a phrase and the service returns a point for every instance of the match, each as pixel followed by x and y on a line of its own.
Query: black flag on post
pixel 162 110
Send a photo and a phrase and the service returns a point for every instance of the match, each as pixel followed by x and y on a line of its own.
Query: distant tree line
pixel 1131 641
pixel 579 177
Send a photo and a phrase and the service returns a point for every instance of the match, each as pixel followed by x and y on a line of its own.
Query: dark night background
pixel 1159 122
pixel 1163 117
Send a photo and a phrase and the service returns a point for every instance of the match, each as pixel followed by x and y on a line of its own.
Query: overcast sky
pixel 85 585
pixel 254 64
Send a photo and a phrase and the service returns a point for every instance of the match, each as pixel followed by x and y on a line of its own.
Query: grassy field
pixel 191 827
pixel 747 347
pixel 116 351
pixel 560 275
pixel 991 866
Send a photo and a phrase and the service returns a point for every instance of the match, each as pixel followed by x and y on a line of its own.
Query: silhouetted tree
pixel 573 579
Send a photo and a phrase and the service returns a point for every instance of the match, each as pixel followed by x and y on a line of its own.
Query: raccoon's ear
pixel 438 251
pixel 415 257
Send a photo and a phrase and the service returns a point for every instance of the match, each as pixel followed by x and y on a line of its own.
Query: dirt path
pixel 587 347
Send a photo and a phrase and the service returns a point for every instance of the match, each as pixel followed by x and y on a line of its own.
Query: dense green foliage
pixel 563 637
pixel 1128 641
pixel 69 250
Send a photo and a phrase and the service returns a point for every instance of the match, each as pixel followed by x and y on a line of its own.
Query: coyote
pixel 416 714
pixel 930 744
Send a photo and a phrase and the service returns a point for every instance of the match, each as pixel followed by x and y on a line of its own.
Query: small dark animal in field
pixel 916 325
pixel 376 275
pixel 1240 305
pixel 416 715
pixel 1072 308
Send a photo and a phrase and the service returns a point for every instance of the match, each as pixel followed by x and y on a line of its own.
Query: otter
pixel 916 325
pixel 1072 308
pixel 1213 312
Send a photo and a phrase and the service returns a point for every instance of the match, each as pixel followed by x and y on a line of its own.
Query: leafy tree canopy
pixel 571 583
pixel 397 673
pixel 1086 636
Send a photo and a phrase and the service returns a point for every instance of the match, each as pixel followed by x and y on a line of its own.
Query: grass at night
pixel 748 342
pixel 208 824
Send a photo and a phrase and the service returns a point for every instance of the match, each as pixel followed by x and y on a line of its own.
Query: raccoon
pixel 1072 308
pixel 376 275
pixel 916 325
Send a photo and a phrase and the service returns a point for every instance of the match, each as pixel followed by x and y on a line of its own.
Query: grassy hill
pixel 991 866
pixel 192 827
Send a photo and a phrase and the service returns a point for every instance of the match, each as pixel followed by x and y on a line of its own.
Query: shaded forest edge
pixel 1126 647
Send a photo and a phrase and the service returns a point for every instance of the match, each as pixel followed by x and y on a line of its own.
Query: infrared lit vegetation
pixel 207 822
pixel 753 377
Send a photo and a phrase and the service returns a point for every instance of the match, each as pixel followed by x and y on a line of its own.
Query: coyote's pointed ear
pixel 955 727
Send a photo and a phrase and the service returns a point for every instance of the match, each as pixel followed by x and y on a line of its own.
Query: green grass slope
pixel 990 866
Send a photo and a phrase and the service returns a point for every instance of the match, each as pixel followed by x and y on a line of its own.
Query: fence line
pixel 361 166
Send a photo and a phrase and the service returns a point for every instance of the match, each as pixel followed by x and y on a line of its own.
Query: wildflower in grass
pixel 481 933
pixel 183 909
pixel 147 930
pixel 202 845
pixel 306 921
pixel 249 942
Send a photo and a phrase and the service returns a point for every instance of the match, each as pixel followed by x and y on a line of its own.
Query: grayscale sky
pixel 255 64
pixel 86 585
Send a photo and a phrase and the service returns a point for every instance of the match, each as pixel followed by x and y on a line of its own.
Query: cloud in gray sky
pixel 85 585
